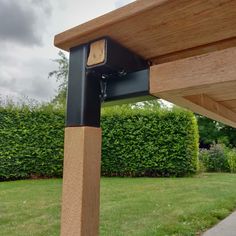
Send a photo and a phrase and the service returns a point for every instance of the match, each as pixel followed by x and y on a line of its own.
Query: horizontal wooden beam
pixel 195 72
pixel 191 52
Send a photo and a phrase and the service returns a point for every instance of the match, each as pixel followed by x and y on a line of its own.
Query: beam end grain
pixel 97 53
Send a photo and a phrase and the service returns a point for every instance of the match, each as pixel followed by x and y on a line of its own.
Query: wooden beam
pixel 217 108
pixel 229 103
pixel 195 72
pixel 191 52
pixel 81 182
pixel 202 109
pixel 212 74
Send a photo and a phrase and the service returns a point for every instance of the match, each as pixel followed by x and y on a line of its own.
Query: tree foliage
pixel 61 76
pixel 212 132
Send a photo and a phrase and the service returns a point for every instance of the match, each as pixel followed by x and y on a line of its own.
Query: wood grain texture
pixel 203 84
pixel 191 52
pixel 81 182
pixel 229 103
pixel 198 108
pixel 190 74
pixel 154 28
pixel 97 52
pixel 209 104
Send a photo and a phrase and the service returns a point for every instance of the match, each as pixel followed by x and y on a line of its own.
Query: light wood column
pixel 81 182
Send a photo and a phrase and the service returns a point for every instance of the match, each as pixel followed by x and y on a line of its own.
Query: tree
pixel 61 76
pixel 229 135
pixel 208 131
pixel 212 132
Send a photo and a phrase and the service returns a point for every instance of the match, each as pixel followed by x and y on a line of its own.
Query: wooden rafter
pixel 219 111
pixel 211 75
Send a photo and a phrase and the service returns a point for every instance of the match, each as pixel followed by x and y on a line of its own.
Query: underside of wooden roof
pixel 205 84
pixel 191 44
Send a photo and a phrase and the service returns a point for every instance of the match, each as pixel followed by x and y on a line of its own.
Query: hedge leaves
pixel 149 143
pixel 135 143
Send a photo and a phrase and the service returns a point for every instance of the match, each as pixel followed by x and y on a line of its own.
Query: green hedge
pixel 149 143
pixel 218 158
pixel 135 143
pixel 31 143
pixel 231 157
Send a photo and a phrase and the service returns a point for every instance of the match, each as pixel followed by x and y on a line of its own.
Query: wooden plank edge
pixel 191 52
pixel 62 40
pixel 194 72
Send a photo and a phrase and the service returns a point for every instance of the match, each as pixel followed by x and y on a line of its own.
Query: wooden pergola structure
pixel 183 51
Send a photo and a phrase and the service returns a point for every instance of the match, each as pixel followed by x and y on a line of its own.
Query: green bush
pixel 215 159
pixel 203 159
pixel 149 143
pixel 135 143
pixel 31 143
pixel 232 160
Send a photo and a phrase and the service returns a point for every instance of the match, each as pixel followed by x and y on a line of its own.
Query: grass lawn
pixel 139 206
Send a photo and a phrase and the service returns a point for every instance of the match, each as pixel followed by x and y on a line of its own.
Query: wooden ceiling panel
pixel 204 84
pixel 224 95
pixel 230 104
pixel 153 28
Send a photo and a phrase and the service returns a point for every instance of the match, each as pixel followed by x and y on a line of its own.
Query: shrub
pixel 203 159
pixel 215 159
pixel 232 160
pixel 149 143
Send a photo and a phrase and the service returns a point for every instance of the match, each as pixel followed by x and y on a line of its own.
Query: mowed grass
pixel 138 206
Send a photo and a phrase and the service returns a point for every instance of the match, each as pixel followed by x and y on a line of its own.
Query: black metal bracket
pixel 121 76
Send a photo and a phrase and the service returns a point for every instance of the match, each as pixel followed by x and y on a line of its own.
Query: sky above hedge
pixel 27 29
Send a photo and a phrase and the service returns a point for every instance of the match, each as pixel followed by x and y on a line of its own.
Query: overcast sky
pixel 27 29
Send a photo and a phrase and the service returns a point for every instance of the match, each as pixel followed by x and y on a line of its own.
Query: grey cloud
pixel 20 21
pixel 6 82
pixel 43 4
pixel 37 88
pixel 29 78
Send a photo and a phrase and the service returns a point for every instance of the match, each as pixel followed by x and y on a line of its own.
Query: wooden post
pixel 81 182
